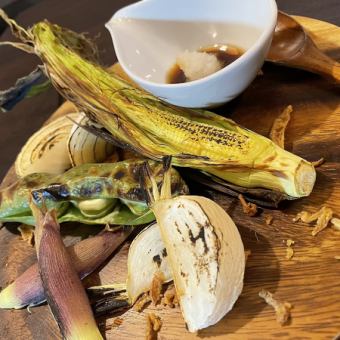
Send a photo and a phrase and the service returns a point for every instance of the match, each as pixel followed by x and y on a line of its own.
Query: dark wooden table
pixel 84 15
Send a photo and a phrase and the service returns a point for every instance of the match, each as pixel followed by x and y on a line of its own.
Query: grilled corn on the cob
pixel 142 122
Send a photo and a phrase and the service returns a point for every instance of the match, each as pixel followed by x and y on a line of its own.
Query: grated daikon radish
pixel 197 65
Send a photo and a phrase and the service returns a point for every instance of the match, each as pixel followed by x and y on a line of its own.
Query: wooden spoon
pixel 293 47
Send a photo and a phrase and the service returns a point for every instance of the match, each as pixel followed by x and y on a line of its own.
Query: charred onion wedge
pixel 46 150
pixel 84 147
pixel 147 256
pixel 205 252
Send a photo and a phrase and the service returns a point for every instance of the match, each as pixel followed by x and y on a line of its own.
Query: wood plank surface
pixel 310 281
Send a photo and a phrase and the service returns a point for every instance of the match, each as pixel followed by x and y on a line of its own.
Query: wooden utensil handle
pixel 317 62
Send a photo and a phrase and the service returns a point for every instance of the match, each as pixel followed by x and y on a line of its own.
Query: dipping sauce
pixel 225 54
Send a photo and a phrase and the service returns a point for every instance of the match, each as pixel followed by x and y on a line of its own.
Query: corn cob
pixel 142 122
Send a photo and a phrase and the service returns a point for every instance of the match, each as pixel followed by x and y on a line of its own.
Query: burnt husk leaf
pixel 110 301
pixel 262 197
pixel 109 305
pixel 22 88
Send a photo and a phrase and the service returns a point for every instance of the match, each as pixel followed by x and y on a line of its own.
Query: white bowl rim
pixel 268 31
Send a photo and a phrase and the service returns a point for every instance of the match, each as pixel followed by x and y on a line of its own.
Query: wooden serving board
pixel 310 281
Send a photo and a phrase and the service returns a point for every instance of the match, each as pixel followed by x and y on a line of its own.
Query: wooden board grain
pixel 310 281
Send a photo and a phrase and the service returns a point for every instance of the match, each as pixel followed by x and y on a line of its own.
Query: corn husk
pixel 277 132
pixel 25 87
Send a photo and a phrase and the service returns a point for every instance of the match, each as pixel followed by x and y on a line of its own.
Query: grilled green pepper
pixel 89 193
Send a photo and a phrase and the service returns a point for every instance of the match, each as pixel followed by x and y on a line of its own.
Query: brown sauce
pixel 226 54
pixel 175 75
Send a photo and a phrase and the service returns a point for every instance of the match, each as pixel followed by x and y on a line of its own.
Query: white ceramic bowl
pixel 150 34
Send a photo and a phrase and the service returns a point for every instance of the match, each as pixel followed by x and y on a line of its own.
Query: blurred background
pixel 316 8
